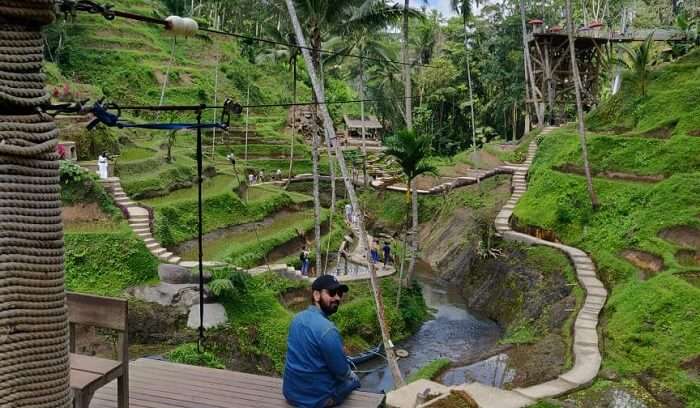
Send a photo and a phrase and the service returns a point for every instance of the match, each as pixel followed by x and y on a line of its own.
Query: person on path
pixel 348 213
pixel 373 252
pixel 261 176
pixel 278 174
pixel 387 252
pixel 304 258
pixel 251 179
pixel 103 165
pixel 316 370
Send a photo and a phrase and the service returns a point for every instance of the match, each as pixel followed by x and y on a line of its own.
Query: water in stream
pixel 453 333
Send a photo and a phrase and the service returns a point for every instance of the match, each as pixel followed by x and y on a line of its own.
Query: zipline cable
pixel 69 6
pixel 254 106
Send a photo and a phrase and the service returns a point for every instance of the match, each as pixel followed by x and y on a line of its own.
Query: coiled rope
pixel 34 363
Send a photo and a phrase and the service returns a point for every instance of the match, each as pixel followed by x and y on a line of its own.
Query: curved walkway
pixel 587 357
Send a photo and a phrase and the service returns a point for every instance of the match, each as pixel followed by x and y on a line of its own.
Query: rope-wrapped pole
pixel 34 359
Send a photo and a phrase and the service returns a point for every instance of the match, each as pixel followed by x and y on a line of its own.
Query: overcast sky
pixel 442 5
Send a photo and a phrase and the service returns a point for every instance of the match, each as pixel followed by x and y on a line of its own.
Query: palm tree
pixel 639 61
pixel 34 340
pixel 464 7
pixel 579 107
pixel 411 150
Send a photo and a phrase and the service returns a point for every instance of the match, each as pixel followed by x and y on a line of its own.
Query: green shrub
pixel 177 222
pixel 429 371
pixel 187 354
pixel 81 186
pixel 107 263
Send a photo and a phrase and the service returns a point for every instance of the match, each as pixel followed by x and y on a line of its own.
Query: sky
pixel 441 5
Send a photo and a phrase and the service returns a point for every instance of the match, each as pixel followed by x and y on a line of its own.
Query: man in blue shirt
pixel 316 372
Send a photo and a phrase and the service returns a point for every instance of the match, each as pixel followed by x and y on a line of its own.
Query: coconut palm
pixel 410 150
pixel 464 8
pixel 639 61
pixel 579 107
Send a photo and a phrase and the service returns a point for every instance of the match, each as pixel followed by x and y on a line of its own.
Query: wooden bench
pixel 88 374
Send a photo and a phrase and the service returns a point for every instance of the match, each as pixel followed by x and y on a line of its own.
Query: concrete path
pixel 587 357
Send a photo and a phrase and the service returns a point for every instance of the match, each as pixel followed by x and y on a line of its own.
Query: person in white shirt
pixel 103 166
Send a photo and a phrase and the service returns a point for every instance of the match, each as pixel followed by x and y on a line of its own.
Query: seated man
pixel 317 374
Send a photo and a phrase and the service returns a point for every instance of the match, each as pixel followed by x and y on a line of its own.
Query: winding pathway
pixel 587 357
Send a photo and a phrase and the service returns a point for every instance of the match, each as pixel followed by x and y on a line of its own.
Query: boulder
pixel 175 274
pixel 214 315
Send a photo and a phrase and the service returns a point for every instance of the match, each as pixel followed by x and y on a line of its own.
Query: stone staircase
pixel 139 220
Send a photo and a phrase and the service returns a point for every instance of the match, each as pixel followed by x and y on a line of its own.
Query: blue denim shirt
pixel 316 366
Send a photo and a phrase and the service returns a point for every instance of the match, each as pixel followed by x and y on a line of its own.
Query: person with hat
pixel 316 372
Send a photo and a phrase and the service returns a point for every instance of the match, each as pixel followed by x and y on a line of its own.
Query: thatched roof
pixel 354 122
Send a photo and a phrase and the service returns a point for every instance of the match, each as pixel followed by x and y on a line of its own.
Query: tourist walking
pixel 278 175
pixel 387 252
pixel 251 179
pixel 103 165
pixel 304 258
pixel 374 253
pixel 261 176
pixel 348 213
pixel 316 370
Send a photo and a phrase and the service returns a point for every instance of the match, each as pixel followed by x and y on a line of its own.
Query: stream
pixel 453 333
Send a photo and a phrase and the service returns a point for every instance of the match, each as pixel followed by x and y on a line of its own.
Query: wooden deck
pixel 159 384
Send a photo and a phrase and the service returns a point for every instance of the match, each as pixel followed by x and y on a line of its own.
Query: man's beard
pixel 329 307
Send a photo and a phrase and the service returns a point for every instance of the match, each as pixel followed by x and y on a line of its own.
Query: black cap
pixel 328 282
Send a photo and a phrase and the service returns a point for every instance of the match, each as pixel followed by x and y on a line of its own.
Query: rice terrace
pixel 354 203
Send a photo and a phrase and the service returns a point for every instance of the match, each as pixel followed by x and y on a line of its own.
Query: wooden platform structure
pixel 551 63
pixel 160 384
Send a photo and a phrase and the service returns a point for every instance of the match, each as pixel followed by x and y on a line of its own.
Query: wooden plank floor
pixel 160 384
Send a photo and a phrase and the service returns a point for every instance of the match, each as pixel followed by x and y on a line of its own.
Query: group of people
pixel 260 177
pixel 374 252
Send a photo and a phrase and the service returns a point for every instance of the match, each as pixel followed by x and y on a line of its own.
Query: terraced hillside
pixel 644 238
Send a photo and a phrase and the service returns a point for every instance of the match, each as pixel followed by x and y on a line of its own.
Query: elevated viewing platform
pixel 592 35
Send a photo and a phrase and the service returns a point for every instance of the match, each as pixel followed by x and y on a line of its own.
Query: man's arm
pixel 332 351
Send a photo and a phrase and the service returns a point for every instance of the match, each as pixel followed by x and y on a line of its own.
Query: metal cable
pixel 34 363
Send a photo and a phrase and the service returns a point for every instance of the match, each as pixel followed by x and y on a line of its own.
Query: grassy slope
pixel 652 325
pixel 126 61
pixel 106 258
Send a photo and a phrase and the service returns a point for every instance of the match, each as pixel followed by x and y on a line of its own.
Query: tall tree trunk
pixel 408 114
pixel 294 119
pixel 414 233
pixel 579 107
pixel 528 70
pixel 328 124
pixel 362 117
pixel 471 95
pixel 34 328
pixel 316 60
pixel 409 126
